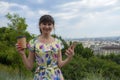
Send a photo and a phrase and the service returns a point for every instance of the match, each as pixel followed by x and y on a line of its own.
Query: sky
pixel 73 18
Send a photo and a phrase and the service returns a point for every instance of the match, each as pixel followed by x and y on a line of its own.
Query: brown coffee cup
pixel 22 41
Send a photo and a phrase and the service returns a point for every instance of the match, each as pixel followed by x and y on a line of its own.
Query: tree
pixel 79 49
pixel 87 53
pixel 17 23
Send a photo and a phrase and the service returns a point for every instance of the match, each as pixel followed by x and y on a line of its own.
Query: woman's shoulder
pixel 59 43
pixel 34 40
pixel 58 40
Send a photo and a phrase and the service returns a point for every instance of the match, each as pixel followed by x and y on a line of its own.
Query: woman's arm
pixel 69 53
pixel 61 62
pixel 28 61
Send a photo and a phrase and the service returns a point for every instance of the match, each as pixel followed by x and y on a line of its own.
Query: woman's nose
pixel 47 26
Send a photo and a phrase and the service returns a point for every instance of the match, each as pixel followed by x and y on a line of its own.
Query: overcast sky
pixel 73 18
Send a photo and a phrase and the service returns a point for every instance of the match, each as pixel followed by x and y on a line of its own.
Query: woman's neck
pixel 43 36
pixel 46 39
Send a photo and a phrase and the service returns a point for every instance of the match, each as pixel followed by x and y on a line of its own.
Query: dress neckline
pixel 45 43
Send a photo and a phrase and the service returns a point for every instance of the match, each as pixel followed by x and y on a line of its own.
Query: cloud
pixel 36 1
pixel 75 9
pixel 39 1
pixel 84 8
pixel 23 10
pixel 3 22
pixel 42 12
pixel 87 3
pixel 65 16
pixel 6 7
pixel 99 3
pixel 92 18
pixel 74 18
pixel 97 25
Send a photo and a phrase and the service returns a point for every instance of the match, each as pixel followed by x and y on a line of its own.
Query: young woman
pixel 46 50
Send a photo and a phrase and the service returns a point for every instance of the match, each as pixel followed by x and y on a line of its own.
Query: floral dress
pixel 46 58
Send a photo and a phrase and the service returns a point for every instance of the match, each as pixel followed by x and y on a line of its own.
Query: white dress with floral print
pixel 46 58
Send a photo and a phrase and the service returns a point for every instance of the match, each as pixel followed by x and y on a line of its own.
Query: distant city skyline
pixel 73 18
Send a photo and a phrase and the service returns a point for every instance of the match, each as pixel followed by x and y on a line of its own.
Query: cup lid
pixel 20 37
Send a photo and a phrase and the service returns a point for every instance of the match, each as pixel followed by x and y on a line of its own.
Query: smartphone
pixel 74 44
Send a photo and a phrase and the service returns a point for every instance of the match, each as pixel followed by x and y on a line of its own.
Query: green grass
pixel 98 76
pixel 94 76
pixel 8 73
pixel 7 76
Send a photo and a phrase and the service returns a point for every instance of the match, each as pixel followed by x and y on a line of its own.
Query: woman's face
pixel 46 28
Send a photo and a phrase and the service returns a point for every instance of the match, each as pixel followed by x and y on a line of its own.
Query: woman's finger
pixel 71 51
pixel 66 54
pixel 16 44
pixel 18 47
pixel 67 51
pixel 72 47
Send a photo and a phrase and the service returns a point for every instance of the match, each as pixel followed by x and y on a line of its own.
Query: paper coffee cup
pixel 22 41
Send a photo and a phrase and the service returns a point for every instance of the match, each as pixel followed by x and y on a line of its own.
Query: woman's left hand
pixel 70 51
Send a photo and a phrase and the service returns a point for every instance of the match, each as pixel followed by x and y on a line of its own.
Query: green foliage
pixel 87 53
pixel 79 49
pixel 17 23
pixel 81 69
pixel 112 57
pixel 84 52
pixel 75 70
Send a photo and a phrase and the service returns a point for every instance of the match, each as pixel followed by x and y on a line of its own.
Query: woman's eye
pixel 49 24
pixel 44 23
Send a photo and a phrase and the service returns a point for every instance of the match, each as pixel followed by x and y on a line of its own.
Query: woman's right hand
pixel 20 49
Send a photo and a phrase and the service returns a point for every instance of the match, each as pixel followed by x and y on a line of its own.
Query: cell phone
pixel 74 44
